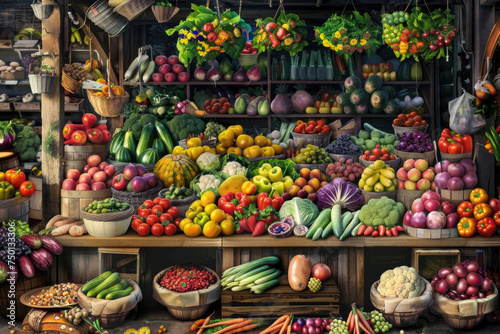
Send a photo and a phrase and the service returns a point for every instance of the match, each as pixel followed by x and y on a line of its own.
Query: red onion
pixel 468 165
pixel 460 270
pixel 472 290
pixel 442 166
pixel 441 180
pixel 443 272
pixel 470 180
pixel 455 183
pixel 452 220
pixel 436 219
pixel 452 279
pixel 407 218
pixel 418 220
pixel 456 169
pixel 462 285
pixel 474 279
pixel 432 205
pixel 472 266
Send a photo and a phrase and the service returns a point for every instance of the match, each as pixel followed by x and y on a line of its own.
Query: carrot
pixel 224 323
pixel 55 219
pixel 349 318
pixel 207 320
pixel 364 322
pixel 272 329
pixel 285 325
pixel 242 329
pixel 229 329
pixel 278 321
pixel 196 324
pixel 490 88
pixel 289 329
pixel 366 330
pixel 350 323
pixel 64 222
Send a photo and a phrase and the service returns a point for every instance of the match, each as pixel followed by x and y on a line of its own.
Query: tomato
pixel 27 188
pixel 364 157
pixel 377 152
pixel 367 153
pixel 177 222
pixel 170 229
pixel 167 217
pixel 143 229
pixel 392 157
pixel 157 200
pixel 385 151
pixel 174 212
pixel 144 212
pixel 372 158
pixel 165 204
pixel 152 219
pixel 136 223
pixel 157 229
pixel 156 209
pixel 148 204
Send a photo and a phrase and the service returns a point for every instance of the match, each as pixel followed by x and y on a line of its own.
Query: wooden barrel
pixel 15 208
pixel 9 160
pixel 368 195
pixel 75 157
pixel 36 198
pixel 455 157
pixel 408 196
pixel 427 156
pixel 454 196
pixel 72 201
pixel 23 285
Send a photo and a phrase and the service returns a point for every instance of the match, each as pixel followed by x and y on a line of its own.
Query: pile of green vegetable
pixel 27 143
pixel 106 206
pixel 176 193
pixel 20 228
pixel 182 125
pixel 213 130
pixel 136 122
pixel 367 140
pixel 382 211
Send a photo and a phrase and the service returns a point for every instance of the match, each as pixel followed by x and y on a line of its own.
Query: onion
pixel 462 285
pixel 456 169
pixel 474 279
pixel 470 180
pixel 214 74
pixel 254 73
pixel 442 166
pixel 443 272
pixel 441 180
pixel 472 267
pixel 468 165
pixel 455 183
pixel 486 286
pixel 240 75
pixel 442 286
pixel 436 219
pixel 432 205
pixel 452 220
pixel 452 279
pixel 200 73
pixel 418 220
pixel 407 218
pixel 460 270
pixel 472 290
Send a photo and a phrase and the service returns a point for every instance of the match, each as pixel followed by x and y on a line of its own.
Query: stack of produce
pixel 108 286
pixel 377 153
pixel 26 144
pixel 383 70
pixel 311 127
pixel 347 170
pixel 249 147
pixel 12 71
pixel 411 120
pixel 451 142
pixel 378 178
pixel 455 176
pixel 247 105
pixel 134 179
pixel 368 139
pixel 414 141
pixel 312 154
pixel 273 178
pixel 106 206
pixel 204 156
pixel 157 217
pixel 344 145
pixel 381 217
pixel 430 211
pixel 324 325
pixel 97 175
pixel 107 88
pixel 79 134
pixel 479 215
pixel 213 130
pixel 13 184
pixel 256 275
pixel 168 69
pixel 415 175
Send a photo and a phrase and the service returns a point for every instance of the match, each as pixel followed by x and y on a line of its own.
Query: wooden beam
pixel 489 2
pixel 53 111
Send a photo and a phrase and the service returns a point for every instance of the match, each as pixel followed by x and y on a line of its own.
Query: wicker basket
pixel 368 195
pixel 136 199
pixel 455 157
pixel 187 305
pixel 401 312
pixel 133 8
pixel 431 233
pixel 107 225
pixel 210 143
pixel 394 164
pixel 454 196
pixel 22 286
pixel 70 84
pixel 111 106
pixel 336 157
pixel 181 204
pixel 427 156
pixel 164 14
pixel 408 196
pixel 400 130
pixel 111 313
pixel 465 314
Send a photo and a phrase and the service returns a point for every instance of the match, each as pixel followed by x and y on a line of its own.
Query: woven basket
pixel 107 225
pixel 133 8
pixel 70 84
pixel 427 156
pixel 108 106
pixel 400 130
pixel 164 14
pixel 401 312
pixel 391 163
pixel 136 199
pixel 368 195
pixel 336 157
pixel 181 204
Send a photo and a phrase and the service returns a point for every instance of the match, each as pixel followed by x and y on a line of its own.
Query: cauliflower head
pixel 234 168
pixel 402 282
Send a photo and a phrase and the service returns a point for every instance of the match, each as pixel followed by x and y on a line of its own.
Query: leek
pixel 320 70
pixel 257 276
pixel 311 73
pixel 250 273
pixel 329 67
pixel 268 277
pixel 259 288
pixel 294 68
pixel 303 67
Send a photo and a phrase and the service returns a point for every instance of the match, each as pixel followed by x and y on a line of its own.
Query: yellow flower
pixel 362 42
pixel 144 330
pixel 337 34
pixel 339 46
pixel 326 43
pixel 130 331
pixel 190 35
pixel 322 36
pixel 353 42
pixel 332 47
pixel 183 31
pixel 199 48
pixel 184 41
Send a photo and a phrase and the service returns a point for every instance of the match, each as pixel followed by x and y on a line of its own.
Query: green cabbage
pixel 208 161
pixel 303 211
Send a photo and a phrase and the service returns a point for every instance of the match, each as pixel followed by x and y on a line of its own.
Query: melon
pixel 176 169
pixel 362 108
pixel 391 91
pixel 379 99
pixel 343 99
pixel 359 96
pixel 349 109
pixel 351 83
pixel 373 83
pixel 392 107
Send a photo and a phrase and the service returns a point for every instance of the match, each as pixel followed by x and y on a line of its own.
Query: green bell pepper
pixel 7 190
pixel 201 219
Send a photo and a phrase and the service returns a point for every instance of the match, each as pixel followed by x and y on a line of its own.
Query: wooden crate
pixel 281 299
pixel 129 262
pixel 5 106
pixel 428 261
pixel 79 106
pixel 30 106
pixel 36 198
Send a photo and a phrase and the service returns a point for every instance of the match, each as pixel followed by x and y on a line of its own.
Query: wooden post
pixel 53 111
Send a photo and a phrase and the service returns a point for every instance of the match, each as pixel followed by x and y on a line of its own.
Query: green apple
pixel 279 187
pixel 263 184
pixel 288 182
pixel 264 169
pixel 275 174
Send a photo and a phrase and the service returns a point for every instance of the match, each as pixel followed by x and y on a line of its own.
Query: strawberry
pixel 244 225
pixel 251 221
pixel 260 228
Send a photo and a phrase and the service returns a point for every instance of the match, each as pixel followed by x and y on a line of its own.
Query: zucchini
pixel 108 282
pixel 149 71
pixel 159 146
pixel 346 219
pixel 129 142
pixel 117 142
pixel 150 156
pixel 133 68
pixel 165 137
pixel 336 220
pixel 327 231
pixel 117 287
pixel 352 225
pixel 317 234
pixel 119 294
pixel 95 282
pixel 148 135
pixel 124 155
pixel 320 221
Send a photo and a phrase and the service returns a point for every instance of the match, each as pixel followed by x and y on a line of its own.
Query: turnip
pixel 301 100
pixel 281 103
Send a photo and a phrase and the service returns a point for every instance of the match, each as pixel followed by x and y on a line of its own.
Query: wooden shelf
pixel 198 83
pixel 315 82
pixel 336 115
pixel 245 116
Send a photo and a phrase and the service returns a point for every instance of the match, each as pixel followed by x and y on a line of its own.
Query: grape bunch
pixel 379 323
pixel 344 145
pixel 213 129
pixel 76 72
pixel 338 327
pixel 27 60
pixel 395 18
pixel 20 247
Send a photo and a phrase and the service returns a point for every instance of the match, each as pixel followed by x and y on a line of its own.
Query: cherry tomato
pixel 148 204
pixel 392 157
pixel 174 212
pixel 144 212
pixel 372 158
pixel 157 229
pixel 156 209
pixel 170 229
pixel 167 217
pixel 135 223
pixel 152 219
pixel 157 200
pixel 177 221
pixel 165 204
pixel 143 229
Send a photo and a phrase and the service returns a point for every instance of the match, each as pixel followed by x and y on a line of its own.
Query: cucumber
pixel 327 231
pixel 95 282
pixel 149 71
pixel 133 68
pixel 352 225
pixel 346 219
pixel 159 146
pixel 116 142
pixel 119 294
pixel 354 232
pixel 165 137
pixel 129 142
pixel 117 287
pixel 317 234
pixel 320 221
pixel 148 135
pixel 336 220
pixel 108 282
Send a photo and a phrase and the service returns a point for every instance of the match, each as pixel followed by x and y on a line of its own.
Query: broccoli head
pixel 383 211
pixel 20 145
pixel 147 119
pixel 28 155
pixel 182 125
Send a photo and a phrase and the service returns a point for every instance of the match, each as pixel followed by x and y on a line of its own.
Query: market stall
pixel 296 169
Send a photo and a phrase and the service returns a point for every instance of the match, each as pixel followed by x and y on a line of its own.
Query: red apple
pixel 94 160
pixel 157 77
pixel 183 77
pixel 110 170
pixel 100 176
pixel 170 77
pixel 84 178
pixel 119 182
pixel 178 68
pixel 86 168
pixel 172 60
pixel 164 69
pixel 103 165
pixel 73 174
pixel 93 170
pixel 69 184
pixel 91 183
pixel 321 271
pixel 82 186
pixel 160 60
pixel 109 183
pixel 99 186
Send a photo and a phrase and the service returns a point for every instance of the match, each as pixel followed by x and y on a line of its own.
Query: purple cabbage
pixel 7 135
pixel 340 192
pixel 414 141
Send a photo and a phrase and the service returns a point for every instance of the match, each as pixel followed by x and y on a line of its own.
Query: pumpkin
pixel 177 170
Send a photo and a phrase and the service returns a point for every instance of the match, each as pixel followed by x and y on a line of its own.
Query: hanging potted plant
pixel 42 75
pixel 164 11
pixel 42 11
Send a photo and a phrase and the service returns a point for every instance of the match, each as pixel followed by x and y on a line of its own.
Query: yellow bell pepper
pixel 267 151
pixel 219 149
pixel 179 150
pixel 195 152
pixel 236 129
pixel 192 230
pixel 252 152
pixel 192 142
pixel 192 212
pixel 2 176
pixel 211 229
pixel 217 215
pixel 207 148
pixel 277 149
pixel 244 141
pixel 210 208
pixel 226 138
pixel 235 150
pixel 184 222
pixel 261 141
pixel 227 227
pixel 196 204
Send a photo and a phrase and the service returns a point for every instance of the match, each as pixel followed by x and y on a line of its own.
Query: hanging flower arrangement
pixel 288 32
pixel 203 36
pixel 346 34
pixel 419 35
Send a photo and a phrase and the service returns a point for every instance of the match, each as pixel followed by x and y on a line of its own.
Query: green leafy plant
pixel 163 4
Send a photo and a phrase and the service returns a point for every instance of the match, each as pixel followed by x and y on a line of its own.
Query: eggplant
pixel 32 241
pixel 42 260
pixel 51 245
pixel 26 266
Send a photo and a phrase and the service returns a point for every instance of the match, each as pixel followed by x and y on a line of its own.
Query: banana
pixel 385 181
pixel 97 73
pixel 77 35
pixel 387 173
pixel 86 40
pixel 73 38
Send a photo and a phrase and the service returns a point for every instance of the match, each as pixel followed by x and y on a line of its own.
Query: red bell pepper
pixel 455 148
pixel 465 209
pixel 465 141
pixel 225 203
pixel 447 134
pixel 443 144
pixel 496 218
pixel 70 128
pixel 242 198
pixel 274 200
pixel 486 227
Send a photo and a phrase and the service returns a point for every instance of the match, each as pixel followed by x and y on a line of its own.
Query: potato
pixel 3 68
pixel 19 68
pixel 2 63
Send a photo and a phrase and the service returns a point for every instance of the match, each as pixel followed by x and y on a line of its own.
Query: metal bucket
pixel 103 16
pixel 42 11
pixel 44 83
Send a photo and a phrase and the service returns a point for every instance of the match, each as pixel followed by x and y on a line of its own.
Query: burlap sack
pixel 401 305
pixel 468 307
